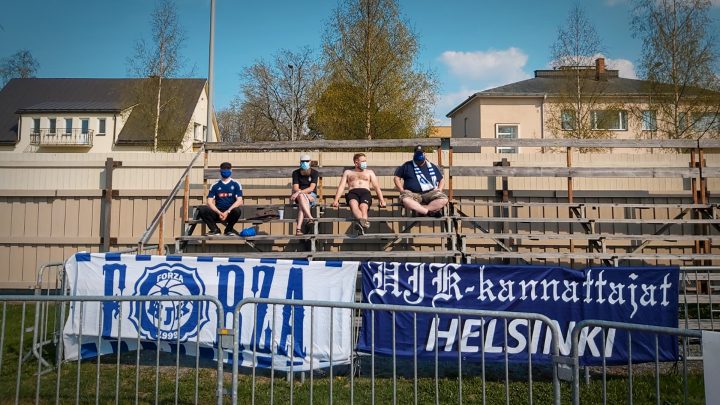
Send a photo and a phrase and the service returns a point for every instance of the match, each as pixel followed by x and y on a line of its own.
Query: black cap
pixel 419 154
pixel 225 165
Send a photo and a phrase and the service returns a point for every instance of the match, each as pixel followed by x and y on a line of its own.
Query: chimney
pixel 600 69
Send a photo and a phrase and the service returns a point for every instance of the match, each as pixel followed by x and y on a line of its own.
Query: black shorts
pixel 361 195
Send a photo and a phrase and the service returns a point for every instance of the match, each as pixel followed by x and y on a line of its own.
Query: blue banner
pixel 645 295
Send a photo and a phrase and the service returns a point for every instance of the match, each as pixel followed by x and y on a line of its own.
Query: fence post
pixel 106 213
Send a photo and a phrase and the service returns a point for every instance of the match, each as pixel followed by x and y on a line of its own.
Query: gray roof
pixel 550 83
pixel 87 95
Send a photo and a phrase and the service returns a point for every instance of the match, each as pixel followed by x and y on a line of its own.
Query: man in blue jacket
pixel 223 203
pixel 420 184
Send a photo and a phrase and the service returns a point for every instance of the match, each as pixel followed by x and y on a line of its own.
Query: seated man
pixel 223 203
pixel 420 184
pixel 304 183
pixel 358 197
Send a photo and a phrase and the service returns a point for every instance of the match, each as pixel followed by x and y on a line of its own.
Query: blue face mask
pixel 363 165
pixel 304 165
pixel 419 157
pixel 225 173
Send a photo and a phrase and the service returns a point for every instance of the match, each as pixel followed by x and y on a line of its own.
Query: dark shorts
pixel 361 195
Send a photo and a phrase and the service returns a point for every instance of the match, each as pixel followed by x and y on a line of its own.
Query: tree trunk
pixel 157 115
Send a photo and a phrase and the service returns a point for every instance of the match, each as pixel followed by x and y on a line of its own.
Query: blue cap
pixel 250 231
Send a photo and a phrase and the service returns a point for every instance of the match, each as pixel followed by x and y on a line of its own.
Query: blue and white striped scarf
pixel 425 185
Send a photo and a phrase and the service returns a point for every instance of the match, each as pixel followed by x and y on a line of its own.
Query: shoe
pixel 231 232
pixel 365 224
pixel 212 232
pixel 360 228
pixel 299 232
pixel 435 214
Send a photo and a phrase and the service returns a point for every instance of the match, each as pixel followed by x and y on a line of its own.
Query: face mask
pixel 419 157
pixel 225 173
pixel 363 165
pixel 304 165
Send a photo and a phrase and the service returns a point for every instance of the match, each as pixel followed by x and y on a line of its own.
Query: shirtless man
pixel 358 181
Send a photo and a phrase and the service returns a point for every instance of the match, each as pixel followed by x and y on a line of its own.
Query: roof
pixel 550 83
pixel 73 106
pixel 36 95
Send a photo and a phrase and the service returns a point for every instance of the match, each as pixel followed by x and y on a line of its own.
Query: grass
pixel 280 390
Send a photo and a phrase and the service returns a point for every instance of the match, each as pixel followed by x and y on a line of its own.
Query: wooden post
pixel 571 197
pixel 450 182
pixel 206 157
pixel 106 213
pixel 161 243
pixel 186 200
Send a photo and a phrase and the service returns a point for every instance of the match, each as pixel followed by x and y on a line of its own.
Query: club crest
pixel 169 320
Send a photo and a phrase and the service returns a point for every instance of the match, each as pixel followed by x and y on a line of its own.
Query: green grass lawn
pixel 83 387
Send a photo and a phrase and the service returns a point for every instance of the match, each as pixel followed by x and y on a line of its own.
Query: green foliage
pixel 372 88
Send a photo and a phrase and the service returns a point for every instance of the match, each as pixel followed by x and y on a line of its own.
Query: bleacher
pixel 499 228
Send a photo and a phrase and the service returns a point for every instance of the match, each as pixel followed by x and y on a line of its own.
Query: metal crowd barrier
pixel 22 381
pixel 626 373
pixel 355 375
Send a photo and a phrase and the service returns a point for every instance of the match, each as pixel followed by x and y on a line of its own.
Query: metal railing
pixel 655 331
pixel 158 220
pixel 62 137
pixel 354 369
pixel 21 380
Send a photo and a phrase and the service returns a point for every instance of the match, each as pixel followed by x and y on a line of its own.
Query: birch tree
pixel 678 57
pixel 20 65
pixel 574 112
pixel 160 58
pixel 369 57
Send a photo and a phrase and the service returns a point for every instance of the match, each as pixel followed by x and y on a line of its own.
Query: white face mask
pixel 363 165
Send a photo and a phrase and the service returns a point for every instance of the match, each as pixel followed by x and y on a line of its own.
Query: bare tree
pixel 161 58
pixel 678 57
pixel 575 111
pixel 20 65
pixel 276 96
pixel 370 54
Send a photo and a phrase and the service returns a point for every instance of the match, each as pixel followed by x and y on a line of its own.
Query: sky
pixel 470 45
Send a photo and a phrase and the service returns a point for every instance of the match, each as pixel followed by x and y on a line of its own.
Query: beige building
pixel 543 108
pixel 101 115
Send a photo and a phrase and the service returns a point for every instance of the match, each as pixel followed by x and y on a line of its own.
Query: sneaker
pixel 359 228
pixel 435 214
pixel 231 232
pixel 212 232
pixel 365 224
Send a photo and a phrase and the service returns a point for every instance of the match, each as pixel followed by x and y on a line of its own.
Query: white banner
pixel 187 322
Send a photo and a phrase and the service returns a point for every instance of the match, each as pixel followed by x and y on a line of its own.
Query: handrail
pixel 465 142
pixel 166 204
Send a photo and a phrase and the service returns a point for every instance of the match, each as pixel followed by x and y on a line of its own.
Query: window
pixel 85 125
pixel 706 122
pixel 613 120
pixel 568 120
pixel 649 120
pixel 465 127
pixel 53 126
pixel 36 126
pixel 101 126
pixel 197 132
pixel 682 121
pixel 506 131
pixel 68 126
